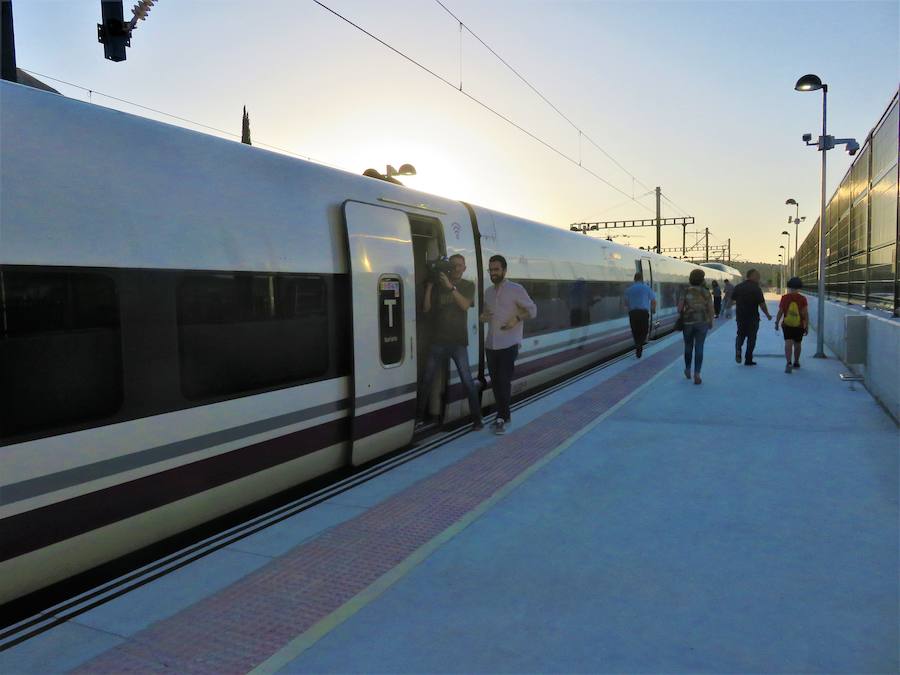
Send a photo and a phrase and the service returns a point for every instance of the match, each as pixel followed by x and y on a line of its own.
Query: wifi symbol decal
pixel 457 228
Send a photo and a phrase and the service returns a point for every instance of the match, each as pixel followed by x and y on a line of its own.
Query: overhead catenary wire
pixel 581 132
pixel 678 208
pixel 457 87
pixel 559 112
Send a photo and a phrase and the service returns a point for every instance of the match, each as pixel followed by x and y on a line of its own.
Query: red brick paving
pixel 237 628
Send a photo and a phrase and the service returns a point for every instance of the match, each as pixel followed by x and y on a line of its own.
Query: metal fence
pixel 863 229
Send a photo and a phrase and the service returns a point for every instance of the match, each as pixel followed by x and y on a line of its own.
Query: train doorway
pixel 383 296
pixel 428 246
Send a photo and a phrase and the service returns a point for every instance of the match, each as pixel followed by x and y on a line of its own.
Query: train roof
pixel 87 185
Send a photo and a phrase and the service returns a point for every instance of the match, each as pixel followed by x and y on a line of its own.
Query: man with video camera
pixel 448 298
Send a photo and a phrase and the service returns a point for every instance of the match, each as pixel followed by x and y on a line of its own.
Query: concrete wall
pixel 882 367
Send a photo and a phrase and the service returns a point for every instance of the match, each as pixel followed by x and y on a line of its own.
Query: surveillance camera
pixel 807 138
pixel 852 147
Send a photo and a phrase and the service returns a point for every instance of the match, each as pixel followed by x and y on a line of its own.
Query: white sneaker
pixel 500 427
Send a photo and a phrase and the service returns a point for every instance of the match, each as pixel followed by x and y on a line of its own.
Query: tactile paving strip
pixel 241 626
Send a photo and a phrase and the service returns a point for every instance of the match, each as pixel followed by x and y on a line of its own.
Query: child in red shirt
pixel 793 309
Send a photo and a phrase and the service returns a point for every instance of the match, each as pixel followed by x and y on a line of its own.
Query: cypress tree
pixel 245 128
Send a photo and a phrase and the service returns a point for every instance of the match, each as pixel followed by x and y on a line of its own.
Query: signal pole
pixel 707 244
pixel 658 228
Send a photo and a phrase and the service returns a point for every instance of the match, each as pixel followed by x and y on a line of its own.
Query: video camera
pixel 436 267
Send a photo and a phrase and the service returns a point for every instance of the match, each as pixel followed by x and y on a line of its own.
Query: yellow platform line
pixel 321 628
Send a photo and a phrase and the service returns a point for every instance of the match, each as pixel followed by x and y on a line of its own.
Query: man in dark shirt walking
pixel 748 298
pixel 448 302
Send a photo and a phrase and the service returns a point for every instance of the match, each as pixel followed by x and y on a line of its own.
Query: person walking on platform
pixel 726 299
pixel 696 309
pixel 748 298
pixel 717 297
pixel 506 306
pixel 793 313
pixel 448 302
pixel 640 301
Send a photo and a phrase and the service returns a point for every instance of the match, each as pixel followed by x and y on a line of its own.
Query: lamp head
pixel 791 201
pixel 809 82
pixel 782 246
pixel 786 232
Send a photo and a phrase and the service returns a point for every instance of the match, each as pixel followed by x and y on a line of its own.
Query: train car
pixel 733 275
pixel 190 325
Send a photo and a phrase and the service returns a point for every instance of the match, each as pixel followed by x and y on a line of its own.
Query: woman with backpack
pixel 696 310
pixel 795 312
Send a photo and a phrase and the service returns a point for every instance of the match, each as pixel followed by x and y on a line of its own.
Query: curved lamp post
pixel 796 220
pixel 812 82
pixel 787 253
pixel 782 259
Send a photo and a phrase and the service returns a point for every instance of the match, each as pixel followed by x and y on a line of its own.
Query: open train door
pixel 646 271
pixel 383 390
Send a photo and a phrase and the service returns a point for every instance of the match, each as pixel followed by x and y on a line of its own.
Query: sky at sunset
pixel 694 96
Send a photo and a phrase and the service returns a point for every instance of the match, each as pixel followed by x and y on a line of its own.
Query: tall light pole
pixel 788 252
pixel 781 257
pixel 812 83
pixel 796 220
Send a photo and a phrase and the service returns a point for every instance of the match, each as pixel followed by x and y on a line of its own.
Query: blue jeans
pixel 501 364
pixel 694 337
pixel 746 330
pixel 437 356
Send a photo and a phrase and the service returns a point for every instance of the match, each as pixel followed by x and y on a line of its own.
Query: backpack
pixel 695 305
pixel 792 316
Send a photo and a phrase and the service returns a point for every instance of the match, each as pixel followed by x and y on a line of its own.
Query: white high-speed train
pixel 190 324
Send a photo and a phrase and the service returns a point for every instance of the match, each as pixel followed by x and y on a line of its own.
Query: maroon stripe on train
pixel 384 418
pixel 457 393
pixel 55 522
pixel 41 527
pixel 47 525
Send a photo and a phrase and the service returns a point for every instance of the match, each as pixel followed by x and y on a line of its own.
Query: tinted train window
pixel 60 349
pixel 244 331
pixel 573 303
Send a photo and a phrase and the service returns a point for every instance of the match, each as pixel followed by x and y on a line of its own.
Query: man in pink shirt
pixel 506 306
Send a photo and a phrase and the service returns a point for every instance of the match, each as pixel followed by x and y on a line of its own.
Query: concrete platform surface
pixel 633 522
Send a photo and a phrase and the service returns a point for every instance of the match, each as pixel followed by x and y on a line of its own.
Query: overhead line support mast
pixel 658 222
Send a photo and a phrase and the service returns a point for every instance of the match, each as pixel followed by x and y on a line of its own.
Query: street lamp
pixel 796 220
pixel 788 251
pixel 812 82
pixel 781 257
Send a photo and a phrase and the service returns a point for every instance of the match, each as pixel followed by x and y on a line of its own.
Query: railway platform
pixel 628 522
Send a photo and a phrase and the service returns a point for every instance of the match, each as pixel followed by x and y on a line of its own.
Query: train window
pixel 243 331
pixel 60 349
pixel 573 303
pixel 669 294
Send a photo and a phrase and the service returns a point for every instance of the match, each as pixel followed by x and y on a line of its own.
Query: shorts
pixel 794 333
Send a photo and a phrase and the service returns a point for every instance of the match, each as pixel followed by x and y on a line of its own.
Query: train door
pixel 646 270
pixel 383 391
